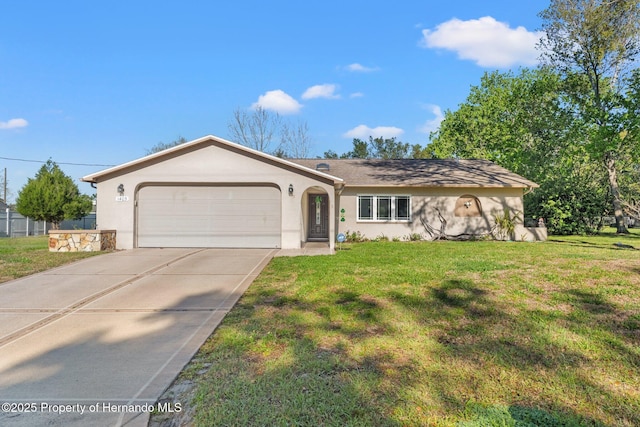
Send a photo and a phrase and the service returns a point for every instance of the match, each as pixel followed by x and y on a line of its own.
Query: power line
pixel 60 163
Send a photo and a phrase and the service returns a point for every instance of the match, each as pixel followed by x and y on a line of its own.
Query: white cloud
pixel 432 124
pixel 358 68
pixel 356 95
pixel 487 42
pixel 278 101
pixel 364 131
pixel 14 124
pixel 321 91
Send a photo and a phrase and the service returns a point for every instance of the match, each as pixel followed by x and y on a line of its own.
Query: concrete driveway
pixel 98 341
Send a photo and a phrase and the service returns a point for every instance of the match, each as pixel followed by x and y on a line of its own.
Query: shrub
pixel 355 237
pixel 505 224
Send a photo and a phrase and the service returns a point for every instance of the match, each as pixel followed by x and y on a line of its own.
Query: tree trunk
pixel 610 164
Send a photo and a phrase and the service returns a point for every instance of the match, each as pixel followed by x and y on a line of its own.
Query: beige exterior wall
pixel 424 202
pixel 214 165
pixel 223 163
pixel 530 234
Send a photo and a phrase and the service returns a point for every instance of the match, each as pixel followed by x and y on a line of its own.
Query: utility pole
pixel 5 186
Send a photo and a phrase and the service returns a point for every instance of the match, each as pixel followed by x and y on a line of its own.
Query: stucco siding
pixel 425 204
pixel 208 164
pixel 467 193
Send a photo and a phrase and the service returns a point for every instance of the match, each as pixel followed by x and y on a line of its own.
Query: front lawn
pixel 21 256
pixel 432 333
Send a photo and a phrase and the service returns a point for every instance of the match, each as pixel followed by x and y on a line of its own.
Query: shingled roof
pixel 419 173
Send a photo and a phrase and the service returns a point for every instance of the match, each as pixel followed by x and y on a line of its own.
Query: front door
pixel 318 217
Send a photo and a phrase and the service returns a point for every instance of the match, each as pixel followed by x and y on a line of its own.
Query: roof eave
pixel 532 185
pixel 165 153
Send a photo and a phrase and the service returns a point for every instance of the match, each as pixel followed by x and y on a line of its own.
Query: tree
pixel 330 154
pixel 52 196
pixel 525 123
pixel 258 129
pixel 420 152
pixel 592 43
pixel 379 148
pixel 295 141
pixel 518 121
pixel 161 146
pixel 630 176
pixel 388 148
pixel 4 186
pixel 268 132
pixel 360 150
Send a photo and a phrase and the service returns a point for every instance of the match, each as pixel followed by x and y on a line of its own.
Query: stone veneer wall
pixel 82 240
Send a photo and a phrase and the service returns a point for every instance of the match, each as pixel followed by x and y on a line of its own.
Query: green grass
pixel 462 334
pixel 432 333
pixel 21 256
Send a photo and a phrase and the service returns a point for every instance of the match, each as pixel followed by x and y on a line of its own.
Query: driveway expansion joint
pixel 61 313
pixel 64 346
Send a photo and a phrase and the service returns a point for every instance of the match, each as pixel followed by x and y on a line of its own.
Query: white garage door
pixel 208 216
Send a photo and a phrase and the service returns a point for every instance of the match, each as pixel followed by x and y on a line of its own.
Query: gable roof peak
pixel 200 143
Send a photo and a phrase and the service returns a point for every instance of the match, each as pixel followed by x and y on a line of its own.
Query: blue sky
pixel 99 83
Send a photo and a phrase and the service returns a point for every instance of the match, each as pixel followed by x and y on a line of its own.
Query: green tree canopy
pixel 360 150
pixel 161 146
pixel 518 121
pixel 526 123
pixel 592 43
pixel 379 148
pixel 52 196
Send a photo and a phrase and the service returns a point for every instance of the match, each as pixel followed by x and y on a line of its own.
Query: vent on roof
pixel 323 167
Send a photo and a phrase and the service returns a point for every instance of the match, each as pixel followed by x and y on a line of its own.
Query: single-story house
pixel 211 192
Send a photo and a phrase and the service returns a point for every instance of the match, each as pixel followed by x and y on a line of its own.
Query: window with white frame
pixel 365 208
pixel 384 208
